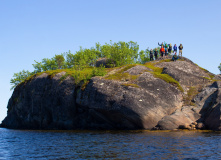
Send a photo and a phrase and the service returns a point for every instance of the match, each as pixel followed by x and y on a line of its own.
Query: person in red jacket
pixel 162 51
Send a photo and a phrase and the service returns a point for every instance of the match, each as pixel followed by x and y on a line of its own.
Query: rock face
pixel 209 100
pixel 146 102
pixel 185 72
pixel 41 102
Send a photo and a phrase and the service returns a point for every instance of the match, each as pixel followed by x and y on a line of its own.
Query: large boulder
pixel 126 107
pixel 141 102
pixel 180 118
pixel 209 100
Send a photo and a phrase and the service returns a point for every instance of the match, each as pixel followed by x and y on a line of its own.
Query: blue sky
pixel 36 29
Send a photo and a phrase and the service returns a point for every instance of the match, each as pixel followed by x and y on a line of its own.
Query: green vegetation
pixel 211 76
pixel 130 84
pixel 120 53
pixel 151 65
pixel 166 60
pixel 168 79
pixel 205 70
pixel 79 76
pixel 20 77
pixel 192 92
pixel 121 76
pixel 81 65
pixel 157 72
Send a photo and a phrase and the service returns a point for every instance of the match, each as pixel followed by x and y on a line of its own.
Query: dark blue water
pixel 19 144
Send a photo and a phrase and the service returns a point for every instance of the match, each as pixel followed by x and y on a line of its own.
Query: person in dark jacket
pixel 180 50
pixel 166 52
pixel 175 57
pixel 170 48
pixel 160 44
pixel 156 53
pixel 166 49
pixel 151 55
pixel 174 48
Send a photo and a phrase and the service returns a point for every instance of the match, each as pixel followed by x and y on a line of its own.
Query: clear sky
pixel 36 29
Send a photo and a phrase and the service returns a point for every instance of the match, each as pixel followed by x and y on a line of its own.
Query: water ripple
pixel 18 144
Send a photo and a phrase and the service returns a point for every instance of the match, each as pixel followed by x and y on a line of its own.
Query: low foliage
pixel 121 75
pixel 84 62
pixel 192 92
pixel 166 60
pixel 205 70
pixel 99 71
pixel 131 85
pixel 168 79
pixel 19 77
pixel 157 72
pixel 151 65
pixel 83 86
pixel 121 53
pixel 211 76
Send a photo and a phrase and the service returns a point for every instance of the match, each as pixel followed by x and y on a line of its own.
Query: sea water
pixel 36 144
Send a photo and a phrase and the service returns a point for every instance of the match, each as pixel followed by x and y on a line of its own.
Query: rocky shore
pixel 161 95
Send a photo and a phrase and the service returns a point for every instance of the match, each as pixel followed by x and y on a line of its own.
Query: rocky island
pixel 163 95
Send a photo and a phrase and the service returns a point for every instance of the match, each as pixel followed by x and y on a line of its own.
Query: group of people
pixel 165 50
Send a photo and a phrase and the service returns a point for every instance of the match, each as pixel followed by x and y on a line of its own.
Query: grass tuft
pixel 157 72
pixel 192 92
pixel 120 76
pixel 130 84
pixel 84 85
pixel 168 79
pixel 79 76
pixel 165 60
pixel 151 65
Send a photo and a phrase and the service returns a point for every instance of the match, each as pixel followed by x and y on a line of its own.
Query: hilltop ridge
pixel 157 95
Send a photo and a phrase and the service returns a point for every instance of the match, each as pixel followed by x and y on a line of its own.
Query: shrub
pixel 99 71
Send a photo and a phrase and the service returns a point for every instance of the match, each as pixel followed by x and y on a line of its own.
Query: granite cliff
pixel 158 95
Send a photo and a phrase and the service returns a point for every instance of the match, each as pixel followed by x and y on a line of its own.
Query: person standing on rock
pixel 151 55
pixel 180 50
pixel 160 44
pixel 174 48
pixel 166 50
pixel 162 51
pixel 170 49
pixel 155 53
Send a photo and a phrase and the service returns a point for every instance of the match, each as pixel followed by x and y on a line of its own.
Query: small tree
pixel 19 77
pixel 37 67
pixel 59 59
